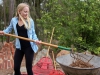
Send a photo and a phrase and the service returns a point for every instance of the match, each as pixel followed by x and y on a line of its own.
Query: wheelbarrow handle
pixel 44 43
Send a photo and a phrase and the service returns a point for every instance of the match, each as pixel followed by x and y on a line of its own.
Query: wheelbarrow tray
pixel 66 60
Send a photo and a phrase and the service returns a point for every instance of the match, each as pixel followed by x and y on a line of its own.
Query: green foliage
pixel 97 50
pixel 88 20
pixel 75 21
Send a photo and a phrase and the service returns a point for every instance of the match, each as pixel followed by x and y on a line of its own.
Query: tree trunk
pixel 4 13
pixel 11 13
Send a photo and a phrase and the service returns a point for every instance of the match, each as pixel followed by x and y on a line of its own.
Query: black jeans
pixel 29 54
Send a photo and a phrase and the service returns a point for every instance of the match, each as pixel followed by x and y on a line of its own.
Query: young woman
pixel 23 25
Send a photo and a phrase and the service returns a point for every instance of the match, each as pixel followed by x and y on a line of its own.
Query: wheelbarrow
pixel 66 60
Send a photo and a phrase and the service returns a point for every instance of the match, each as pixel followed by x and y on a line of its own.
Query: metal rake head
pixel 78 56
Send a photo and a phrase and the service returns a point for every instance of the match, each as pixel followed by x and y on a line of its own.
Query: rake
pixel 44 43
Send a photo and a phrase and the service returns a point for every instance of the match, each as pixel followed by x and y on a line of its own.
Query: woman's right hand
pixel 1 32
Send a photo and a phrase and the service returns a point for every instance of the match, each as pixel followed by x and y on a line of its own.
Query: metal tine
pixel 72 53
pixel 77 56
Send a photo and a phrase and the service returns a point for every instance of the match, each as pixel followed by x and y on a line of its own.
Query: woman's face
pixel 24 12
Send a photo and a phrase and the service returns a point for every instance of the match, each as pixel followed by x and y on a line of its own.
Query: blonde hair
pixel 20 7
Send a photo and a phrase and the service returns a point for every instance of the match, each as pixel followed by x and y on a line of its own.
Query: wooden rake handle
pixel 27 39
pixel 50 41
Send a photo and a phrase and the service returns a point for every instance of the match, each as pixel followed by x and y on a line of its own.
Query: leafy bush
pixel 75 21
